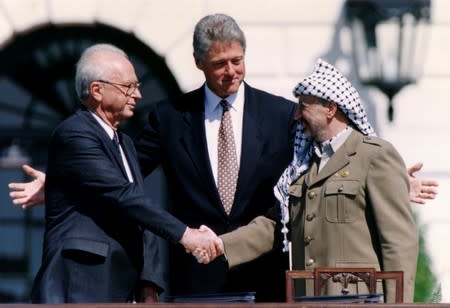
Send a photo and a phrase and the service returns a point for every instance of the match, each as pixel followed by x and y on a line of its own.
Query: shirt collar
pixel 330 146
pixel 212 100
pixel 106 127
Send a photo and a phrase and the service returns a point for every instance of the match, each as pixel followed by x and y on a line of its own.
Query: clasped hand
pixel 203 243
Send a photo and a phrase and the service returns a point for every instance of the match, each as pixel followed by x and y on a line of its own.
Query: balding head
pixel 93 65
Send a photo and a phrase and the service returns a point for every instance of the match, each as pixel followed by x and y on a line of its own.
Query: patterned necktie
pixel 227 162
pixel 116 141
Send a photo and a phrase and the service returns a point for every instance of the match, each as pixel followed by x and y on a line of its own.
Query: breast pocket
pixel 339 196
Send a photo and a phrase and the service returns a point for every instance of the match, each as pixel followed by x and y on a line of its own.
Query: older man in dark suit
pixel 96 208
pixel 182 135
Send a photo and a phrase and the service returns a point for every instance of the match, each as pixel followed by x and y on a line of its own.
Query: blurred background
pixel 395 53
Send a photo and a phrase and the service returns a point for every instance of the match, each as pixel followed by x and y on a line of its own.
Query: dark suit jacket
pixel 93 245
pixel 175 137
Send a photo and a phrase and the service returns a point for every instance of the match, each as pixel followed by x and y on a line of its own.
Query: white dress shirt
pixel 213 116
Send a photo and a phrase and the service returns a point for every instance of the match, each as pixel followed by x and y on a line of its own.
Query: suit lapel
pixel 130 153
pixel 252 143
pixel 312 173
pixel 117 157
pixel 337 161
pixel 194 141
pixel 103 136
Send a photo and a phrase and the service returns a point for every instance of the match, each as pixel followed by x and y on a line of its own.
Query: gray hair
pixel 88 71
pixel 212 28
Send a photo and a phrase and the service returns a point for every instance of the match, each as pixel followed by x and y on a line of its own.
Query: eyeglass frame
pixel 132 85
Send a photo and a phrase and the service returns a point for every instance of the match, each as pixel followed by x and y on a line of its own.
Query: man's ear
pixel 198 63
pixel 96 91
pixel 332 109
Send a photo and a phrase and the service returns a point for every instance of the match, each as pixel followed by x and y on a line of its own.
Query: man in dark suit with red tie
pixel 182 136
pixel 96 209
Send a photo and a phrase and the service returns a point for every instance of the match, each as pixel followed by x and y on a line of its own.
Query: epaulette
pixel 372 140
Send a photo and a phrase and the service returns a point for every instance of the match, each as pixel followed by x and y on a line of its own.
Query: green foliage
pixel 427 288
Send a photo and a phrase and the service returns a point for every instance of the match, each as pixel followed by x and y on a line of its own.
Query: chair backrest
pixel 344 276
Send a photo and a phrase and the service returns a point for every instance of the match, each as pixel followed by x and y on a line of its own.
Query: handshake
pixel 203 243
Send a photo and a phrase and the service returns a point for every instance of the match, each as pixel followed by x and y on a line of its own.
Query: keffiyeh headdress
pixel 327 83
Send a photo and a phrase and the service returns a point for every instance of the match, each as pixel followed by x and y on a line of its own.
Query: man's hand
pixel 204 240
pixel 421 190
pixel 29 194
pixel 202 255
pixel 147 294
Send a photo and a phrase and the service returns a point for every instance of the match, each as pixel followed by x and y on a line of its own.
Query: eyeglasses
pixel 131 87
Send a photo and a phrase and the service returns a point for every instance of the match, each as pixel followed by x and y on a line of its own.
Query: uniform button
pixel 310 217
pixel 311 195
pixel 308 239
pixel 310 262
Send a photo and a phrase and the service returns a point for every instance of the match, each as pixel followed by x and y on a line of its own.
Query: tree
pixel 427 287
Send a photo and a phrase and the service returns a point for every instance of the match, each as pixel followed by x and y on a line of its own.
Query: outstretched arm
pixel 243 244
pixel 421 190
pixel 32 193
pixel 29 194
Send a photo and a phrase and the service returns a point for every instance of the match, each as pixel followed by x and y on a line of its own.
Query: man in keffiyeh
pixel 344 198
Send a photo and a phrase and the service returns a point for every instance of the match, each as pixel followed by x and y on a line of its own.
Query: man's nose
pixel 137 94
pixel 229 68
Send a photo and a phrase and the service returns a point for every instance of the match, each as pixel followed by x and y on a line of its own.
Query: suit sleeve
pixel 152 270
pixel 250 241
pixel 388 188
pixel 81 157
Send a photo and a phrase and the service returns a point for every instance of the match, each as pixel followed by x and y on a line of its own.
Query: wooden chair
pixel 344 276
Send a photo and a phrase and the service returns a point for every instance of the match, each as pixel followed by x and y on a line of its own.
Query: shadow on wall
pixel 337 55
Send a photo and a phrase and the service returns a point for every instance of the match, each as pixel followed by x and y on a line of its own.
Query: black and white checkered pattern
pixel 328 83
